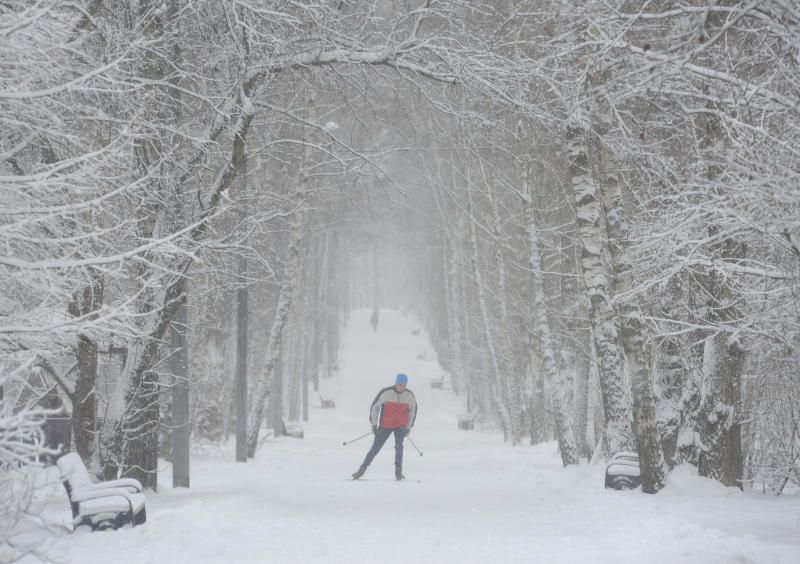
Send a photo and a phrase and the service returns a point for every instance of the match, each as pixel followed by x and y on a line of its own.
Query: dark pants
pixel 380 438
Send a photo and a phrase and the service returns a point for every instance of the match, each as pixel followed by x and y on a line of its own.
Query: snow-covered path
pixel 470 498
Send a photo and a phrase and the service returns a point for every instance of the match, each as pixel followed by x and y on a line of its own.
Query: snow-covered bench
pixel 289 430
pixel 622 471
pixel 466 422
pixel 105 505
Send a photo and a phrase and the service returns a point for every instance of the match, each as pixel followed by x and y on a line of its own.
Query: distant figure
pixel 374 319
pixel 394 410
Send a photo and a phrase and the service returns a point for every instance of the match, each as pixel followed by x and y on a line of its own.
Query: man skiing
pixel 394 410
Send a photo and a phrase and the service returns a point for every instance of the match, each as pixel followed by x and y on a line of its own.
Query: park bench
pixel 289 430
pixel 466 422
pixel 622 471
pixel 293 430
pixel 103 505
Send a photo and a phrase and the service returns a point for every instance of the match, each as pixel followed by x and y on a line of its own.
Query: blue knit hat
pixel 400 379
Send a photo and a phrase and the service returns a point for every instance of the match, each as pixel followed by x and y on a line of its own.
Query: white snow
pixel 470 498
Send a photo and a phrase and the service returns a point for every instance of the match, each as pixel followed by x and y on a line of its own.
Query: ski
pixel 381 480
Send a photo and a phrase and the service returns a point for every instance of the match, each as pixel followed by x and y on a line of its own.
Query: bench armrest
pixel 121 483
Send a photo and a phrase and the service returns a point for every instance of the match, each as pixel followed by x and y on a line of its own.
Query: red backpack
pixel 395 415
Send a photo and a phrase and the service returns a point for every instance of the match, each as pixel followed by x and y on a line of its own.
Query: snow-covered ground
pixel 470 498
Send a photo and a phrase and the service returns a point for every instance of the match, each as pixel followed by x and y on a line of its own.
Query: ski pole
pixel 345 443
pixel 415 446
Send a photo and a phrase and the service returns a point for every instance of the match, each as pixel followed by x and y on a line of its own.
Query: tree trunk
pixel 288 285
pixel 720 455
pixel 468 348
pixel 723 364
pixel 318 309
pixel 181 426
pixel 457 339
pixel 669 378
pixel 720 430
pixel 448 359
pixel 557 386
pixel 293 362
pixel 616 397
pixel 136 440
pixel 240 388
pixel 582 373
pixel 84 410
pixel 451 261
pixel 511 385
pixel 495 373
pixel 334 294
pixel 538 408
pixel 275 413
pixel 651 458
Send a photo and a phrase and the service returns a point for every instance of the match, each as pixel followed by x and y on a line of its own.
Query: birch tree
pixel 554 379
pixel 616 398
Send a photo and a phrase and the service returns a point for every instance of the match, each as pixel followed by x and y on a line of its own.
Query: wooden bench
pixel 289 430
pixel 622 472
pixel 466 422
pixel 104 505
pixel 326 403
pixel 294 430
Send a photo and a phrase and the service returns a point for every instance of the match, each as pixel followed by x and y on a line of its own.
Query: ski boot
pixel 360 472
pixel 398 473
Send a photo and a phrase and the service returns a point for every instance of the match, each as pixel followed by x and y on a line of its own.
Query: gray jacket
pixel 390 394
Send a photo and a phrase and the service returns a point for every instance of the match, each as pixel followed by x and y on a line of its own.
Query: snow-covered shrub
pixel 773 462
pixel 21 475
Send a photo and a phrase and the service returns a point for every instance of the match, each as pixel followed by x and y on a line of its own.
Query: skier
pixel 373 319
pixel 394 410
